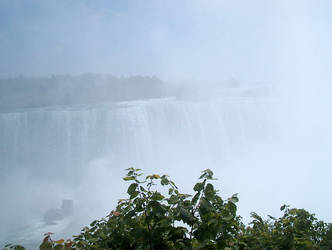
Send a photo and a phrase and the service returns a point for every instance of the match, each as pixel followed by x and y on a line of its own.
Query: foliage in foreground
pixel 149 219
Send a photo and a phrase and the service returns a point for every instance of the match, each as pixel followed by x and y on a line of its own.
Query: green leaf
pixel 132 188
pixel 59 241
pixel 209 191
pixel 202 176
pixel 212 221
pixel 134 194
pixel 157 196
pixel 172 182
pixel 205 206
pixel 128 178
pixel 198 186
pixel 173 199
pixel 186 216
pixel 156 205
pixel 130 214
pixel 93 223
pixel 18 247
pixel 234 198
pixel 195 198
pixel 271 217
pixel 59 247
pixel 228 218
pixel 164 181
pixel 207 174
pixel 187 203
pixel 46 246
pixel 232 207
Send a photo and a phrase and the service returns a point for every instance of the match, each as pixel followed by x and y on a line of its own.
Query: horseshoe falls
pixel 66 152
pixel 79 153
pixel 59 141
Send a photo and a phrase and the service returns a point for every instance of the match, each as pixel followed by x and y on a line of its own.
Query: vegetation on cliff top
pixel 36 92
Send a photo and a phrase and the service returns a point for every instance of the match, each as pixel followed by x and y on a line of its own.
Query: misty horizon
pixel 175 87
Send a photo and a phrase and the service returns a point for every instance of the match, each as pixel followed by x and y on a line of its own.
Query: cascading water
pixel 51 146
pixel 61 140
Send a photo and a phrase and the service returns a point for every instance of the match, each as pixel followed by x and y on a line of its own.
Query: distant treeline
pixel 21 92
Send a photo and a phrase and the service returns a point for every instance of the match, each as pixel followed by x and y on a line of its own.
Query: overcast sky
pixel 283 42
pixel 173 39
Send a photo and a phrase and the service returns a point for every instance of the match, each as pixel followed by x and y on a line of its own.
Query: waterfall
pixel 61 140
pixel 44 152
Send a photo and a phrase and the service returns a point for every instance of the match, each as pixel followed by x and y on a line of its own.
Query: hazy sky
pixel 283 42
pixel 173 39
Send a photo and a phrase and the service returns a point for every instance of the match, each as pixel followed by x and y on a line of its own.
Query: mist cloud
pixel 282 45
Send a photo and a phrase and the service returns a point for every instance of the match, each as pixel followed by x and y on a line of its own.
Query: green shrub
pixel 151 219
